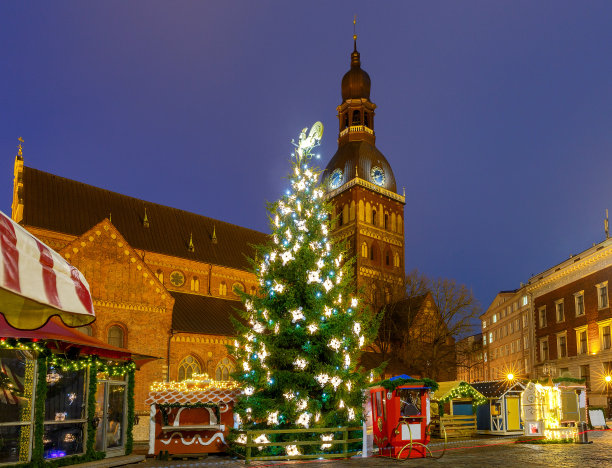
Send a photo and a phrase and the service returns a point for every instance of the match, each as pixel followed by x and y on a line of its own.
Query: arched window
pixel 396 260
pixel 195 283
pixel 222 289
pixel 372 256
pixel 393 222
pixel 361 210
pixel 368 213
pixel 340 218
pixel 224 369
pixel 86 329
pixel 345 121
pixel 356 118
pixel 352 211
pixel 388 258
pixel 116 336
pixel 386 221
pixel 160 275
pixel 345 213
pixel 366 120
pixel 374 217
pixel 187 367
pixel 364 250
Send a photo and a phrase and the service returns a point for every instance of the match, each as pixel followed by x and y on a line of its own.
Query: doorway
pixel 111 412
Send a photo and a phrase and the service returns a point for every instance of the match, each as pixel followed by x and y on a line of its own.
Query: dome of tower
pixel 355 82
pixel 359 159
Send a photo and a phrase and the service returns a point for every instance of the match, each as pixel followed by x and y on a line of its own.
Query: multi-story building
pixel 506 335
pixel 470 358
pixel 573 320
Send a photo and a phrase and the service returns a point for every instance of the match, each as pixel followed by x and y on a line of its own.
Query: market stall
pixel 502 414
pixel 454 406
pixel 63 394
pixel 192 417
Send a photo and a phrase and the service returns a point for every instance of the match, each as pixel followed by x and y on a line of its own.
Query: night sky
pixel 496 116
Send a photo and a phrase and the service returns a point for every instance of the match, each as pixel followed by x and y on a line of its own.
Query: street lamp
pixel 510 376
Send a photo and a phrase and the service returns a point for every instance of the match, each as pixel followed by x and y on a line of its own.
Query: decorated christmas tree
pixel 303 331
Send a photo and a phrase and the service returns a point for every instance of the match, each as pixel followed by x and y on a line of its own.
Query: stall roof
pixel 444 388
pixel 64 337
pixel 497 388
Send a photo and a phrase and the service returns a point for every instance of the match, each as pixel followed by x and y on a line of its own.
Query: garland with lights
pixel 462 390
pixel 302 332
pixel 95 364
pixel 391 385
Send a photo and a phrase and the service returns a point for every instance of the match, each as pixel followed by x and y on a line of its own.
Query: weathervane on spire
pixel 607 225
pixel 306 143
pixel 19 149
pixel 355 31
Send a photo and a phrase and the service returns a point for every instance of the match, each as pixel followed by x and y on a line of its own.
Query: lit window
pixel 396 260
pixel 579 303
pixel 224 369
pixel 160 275
pixel 187 367
pixel 494 318
pixel 484 324
pixel 195 284
pixel 490 337
pixel 364 250
pixel 116 337
pixel 524 300
pixel 602 295
pixel 223 289
pixel 604 335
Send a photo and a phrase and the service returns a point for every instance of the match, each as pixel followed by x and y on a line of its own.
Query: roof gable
pixel 67 206
pixel 107 260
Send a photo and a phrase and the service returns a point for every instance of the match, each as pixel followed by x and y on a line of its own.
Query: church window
pixel 374 217
pixel 366 121
pixel 368 213
pixel 372 256
pixel 340 218
pixel 352 211
pixel 386 221
pixel 387 258
pixel 361 211
pixel 187 367
pixel 393 222
pixel 195 284
pixel 356 118
pixel 224 369
pixel 345 213
pixel 396 260
pixel 160 275
pixel 222 289
pixel 400 225
pixel 116 336
pixel 364 250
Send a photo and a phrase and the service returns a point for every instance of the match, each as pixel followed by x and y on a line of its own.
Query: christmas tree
pixel 303 331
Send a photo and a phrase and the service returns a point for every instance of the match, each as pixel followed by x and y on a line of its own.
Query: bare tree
pixel 421 327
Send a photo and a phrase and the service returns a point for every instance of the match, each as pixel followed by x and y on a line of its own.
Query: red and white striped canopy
pixel 36 283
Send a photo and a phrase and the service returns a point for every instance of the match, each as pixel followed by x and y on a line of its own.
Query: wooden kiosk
pixel 454 407
pixel 401 416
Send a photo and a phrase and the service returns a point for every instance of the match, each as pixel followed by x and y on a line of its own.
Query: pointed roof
pixel 67 206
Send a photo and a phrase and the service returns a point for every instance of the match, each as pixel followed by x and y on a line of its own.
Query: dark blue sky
pixel 495 116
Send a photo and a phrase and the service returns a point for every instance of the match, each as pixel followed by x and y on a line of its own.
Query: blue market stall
pixel 502 414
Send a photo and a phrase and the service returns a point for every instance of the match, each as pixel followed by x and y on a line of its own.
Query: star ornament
pixel 314 277
pixel 287 257
pixel 327 284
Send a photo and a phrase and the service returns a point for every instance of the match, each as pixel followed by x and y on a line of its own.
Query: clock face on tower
pixel 377 175
pixel 335 179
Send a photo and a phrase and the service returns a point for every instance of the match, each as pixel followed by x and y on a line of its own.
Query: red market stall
pixel 193 416
pixel 401 416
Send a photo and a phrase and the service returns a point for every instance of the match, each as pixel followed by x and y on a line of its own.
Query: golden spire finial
pixel 214 235
pixel 19 149
pixel 191 247
pixel 355 31
pixel 145 221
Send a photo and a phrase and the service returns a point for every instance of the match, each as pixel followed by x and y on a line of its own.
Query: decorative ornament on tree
pixel 293 328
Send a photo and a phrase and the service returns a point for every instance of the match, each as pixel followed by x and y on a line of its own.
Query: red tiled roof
pixel 67 206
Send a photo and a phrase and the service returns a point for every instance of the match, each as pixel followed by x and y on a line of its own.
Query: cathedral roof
pixel 357 158
pixel 193 313
pixel 67 206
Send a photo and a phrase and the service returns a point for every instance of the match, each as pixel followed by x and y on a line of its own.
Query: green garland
pixel 163 408
pixel 393 384
pixel 129 443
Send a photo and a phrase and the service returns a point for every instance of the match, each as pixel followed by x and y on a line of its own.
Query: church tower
pixel 368 211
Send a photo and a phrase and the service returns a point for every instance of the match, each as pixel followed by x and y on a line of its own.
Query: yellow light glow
pixel 197 383
pixel 510 376
pixel 608 378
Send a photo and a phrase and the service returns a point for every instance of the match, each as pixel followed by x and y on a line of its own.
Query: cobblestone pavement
pixel 496 452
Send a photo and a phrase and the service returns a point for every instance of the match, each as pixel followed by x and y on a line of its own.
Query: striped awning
pixel 36 283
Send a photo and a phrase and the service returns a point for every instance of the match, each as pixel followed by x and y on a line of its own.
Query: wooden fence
pixel 456 426
pixel 344 442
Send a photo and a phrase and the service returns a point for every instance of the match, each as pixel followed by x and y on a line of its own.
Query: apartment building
pixel 506 335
